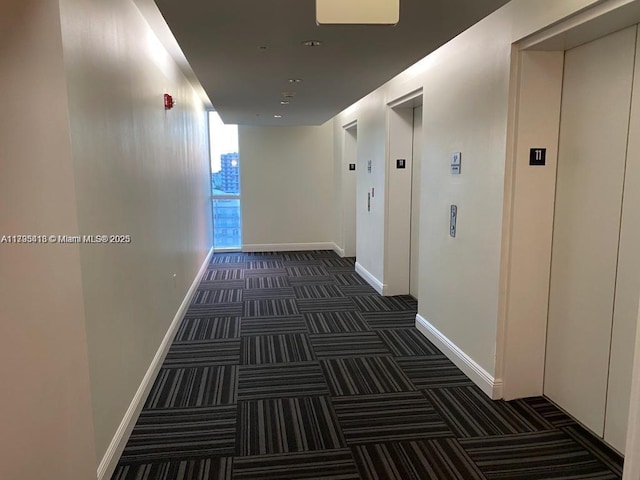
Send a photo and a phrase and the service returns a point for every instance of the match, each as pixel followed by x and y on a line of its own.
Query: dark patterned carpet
pixel 288 366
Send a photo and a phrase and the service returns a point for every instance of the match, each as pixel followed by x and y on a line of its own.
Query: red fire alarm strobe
pixel 168 101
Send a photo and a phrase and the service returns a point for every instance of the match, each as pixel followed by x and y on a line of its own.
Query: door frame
pixel 537 65
pixel 397 245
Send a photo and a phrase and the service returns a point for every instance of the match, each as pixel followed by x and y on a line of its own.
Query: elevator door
pixel 592 158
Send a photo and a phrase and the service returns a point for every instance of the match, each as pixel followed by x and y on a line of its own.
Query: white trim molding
pixel 371 279
pixel 483 379
pixel 287 247
pixel 112 455
pixel 338 250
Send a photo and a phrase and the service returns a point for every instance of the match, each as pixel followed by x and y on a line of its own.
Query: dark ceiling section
pixel 222 40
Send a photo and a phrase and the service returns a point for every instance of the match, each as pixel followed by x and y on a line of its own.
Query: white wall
pixel 45 406
pixel 466 106
pixel 140 171
pixel 287 183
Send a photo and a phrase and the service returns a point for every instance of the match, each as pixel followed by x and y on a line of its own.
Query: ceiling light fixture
pixel 312 43
pixel 284 102
pixel 277 116
pixel 358 12
pixel 263 48
pixel 295 80
pixel 288 95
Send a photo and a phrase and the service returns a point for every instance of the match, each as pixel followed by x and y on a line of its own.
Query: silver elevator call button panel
pixel 453 221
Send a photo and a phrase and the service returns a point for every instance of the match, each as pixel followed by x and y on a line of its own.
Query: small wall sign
pixel 401 163
pixel 538 156
pixel 456 163
pixel 352 166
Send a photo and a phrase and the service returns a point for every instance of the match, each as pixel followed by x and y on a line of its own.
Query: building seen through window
pixel 225 184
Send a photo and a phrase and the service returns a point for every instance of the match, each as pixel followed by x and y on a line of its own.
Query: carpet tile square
pixel 418 460
pixel 222 284
pixel 335 322
pixel 235 309
pixel 326 305
pixel 265 272
pixel 223 275
pixel 357 290
pixel 307 271
pixel 264 264
pixel 470 413
pixel 286 348
pixel 268 293
pixel 313 280
pixel 549 411
pixel 228 258
pixel 299 256
pixel 407 342
pixel 266 282
pixel 281 380
pixel 376 303
pixel 270 308
pixel 199 329
pixel 390 320
pixel 313 465
pixel 348 262
pixel 350 279
pixel 220 295
pixel 219 468
pixel 273 325
pixel 609 457
pixel 203 353
pixel 348 345
pixel 434 371
pixel 287 425
pixel 364 376
pixel 317 291
pixel 549 455
pixel 392 417
pixel 162 435
pixel 194 387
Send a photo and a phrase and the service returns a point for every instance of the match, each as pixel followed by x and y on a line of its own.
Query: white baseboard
pixel 338 250
pixel 112 455
pixel 371 279
pixel 483 379
pixel 287 247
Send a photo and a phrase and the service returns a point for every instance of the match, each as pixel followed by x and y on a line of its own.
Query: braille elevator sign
pixel 538 156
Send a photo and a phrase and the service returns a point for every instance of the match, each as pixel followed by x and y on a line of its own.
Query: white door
pixel 416 175
pixel 591 173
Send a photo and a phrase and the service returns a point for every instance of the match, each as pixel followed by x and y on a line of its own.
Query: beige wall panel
pixel 46 428
pixel 287 184
pixel 140 171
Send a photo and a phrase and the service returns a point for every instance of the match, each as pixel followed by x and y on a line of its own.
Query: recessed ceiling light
pixel 312 43
pixel 295 80
pixel 284 102
pixel 263 48
pixel 277 116
pixel 288 94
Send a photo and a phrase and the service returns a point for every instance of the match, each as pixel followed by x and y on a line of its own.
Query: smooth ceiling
pixel 221 41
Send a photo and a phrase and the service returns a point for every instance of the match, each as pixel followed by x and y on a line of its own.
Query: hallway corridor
pixel 288 366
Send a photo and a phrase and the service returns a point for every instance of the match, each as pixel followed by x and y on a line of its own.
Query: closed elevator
pixel 595 265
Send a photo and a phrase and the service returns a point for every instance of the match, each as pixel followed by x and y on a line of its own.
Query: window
pixel 225 184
